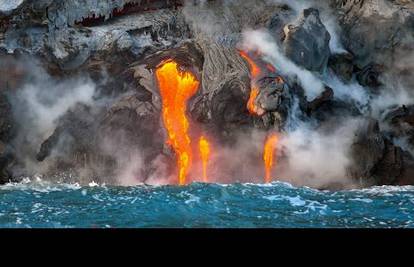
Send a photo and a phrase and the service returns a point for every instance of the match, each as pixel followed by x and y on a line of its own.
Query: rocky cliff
pixel 78 94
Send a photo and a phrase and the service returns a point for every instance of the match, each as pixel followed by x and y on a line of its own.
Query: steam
pixel 327 17
pixel 393 97
pixel 130 162
pixel 308 154
pixel 352 93
pixel 46 103
pixel 316 158
pixel 304 150
pixel 331 25
pixel 39 104
pixel 261 40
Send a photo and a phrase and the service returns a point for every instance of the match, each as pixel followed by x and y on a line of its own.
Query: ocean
pixel 41 204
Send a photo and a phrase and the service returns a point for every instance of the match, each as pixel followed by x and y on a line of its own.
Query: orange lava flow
pixel 254 92
pixel 268 155
pixel 176 88
pixel 204 147
pixel 254 69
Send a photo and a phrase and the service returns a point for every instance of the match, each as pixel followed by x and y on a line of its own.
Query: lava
pixel 254 92
pixel 176 88
pixel 254 69
pixel 204 147
pixel 270 67
pixel 251 106
pixel 268 155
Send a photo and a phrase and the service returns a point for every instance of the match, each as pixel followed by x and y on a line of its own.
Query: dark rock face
pixel 75 133
pixel 328 110
pixel 342 65
pixel 132 124
pixel 367 151
pixel 6 160
pixel 325 97
pixel 377 161
pixel 307 41
pixel 273 93
pixel 401 123
pixel 6 135
pixel 378 32
pixel 16 72
pixel 6 121
pixel 129 29
pixel 401 116
pixel 228 108
pixel 278 21
pixel 369 76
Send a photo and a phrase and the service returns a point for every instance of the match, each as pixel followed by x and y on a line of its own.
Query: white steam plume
pixel 316 158
pixel 39 104
pixel 262 41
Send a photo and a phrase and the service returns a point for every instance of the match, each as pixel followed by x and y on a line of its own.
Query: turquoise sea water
pixel 45 204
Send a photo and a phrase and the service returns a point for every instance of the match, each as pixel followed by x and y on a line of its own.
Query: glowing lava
pixel 254 69
pixel 176 88
pixel 268 155
pixel 204 147
pixel 254 92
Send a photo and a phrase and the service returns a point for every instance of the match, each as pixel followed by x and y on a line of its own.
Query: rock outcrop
pixel 378 32
pixel 343 66
pixel 377 161
pixel 307 41
pixel 6 134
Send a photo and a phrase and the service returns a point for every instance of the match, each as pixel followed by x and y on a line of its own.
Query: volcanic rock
pixel 329 111
pixel 379 32
pixel 366 151
pixel 401 115
pixel 326 96
pixel 6 120
pixel 369 76
pixel 11 65
pixel 130 126
pixel 342 65
pixel 401 123
pixel 376 160
pixel 307 41
pixel 279 20
pixel 74 135
pixel 7 132
pixel 274 98
pixel 6 160
pixel 120 43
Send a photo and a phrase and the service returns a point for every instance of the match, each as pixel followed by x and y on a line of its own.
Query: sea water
pixel 45 204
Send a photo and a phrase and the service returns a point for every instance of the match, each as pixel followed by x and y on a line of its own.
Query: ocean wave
pixel 39 203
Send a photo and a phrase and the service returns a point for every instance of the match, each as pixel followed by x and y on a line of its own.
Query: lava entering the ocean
pixel 176 88
pixel 268 156
pixel 204 147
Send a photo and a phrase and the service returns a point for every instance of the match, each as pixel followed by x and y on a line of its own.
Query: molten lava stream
pixel 254 92
pixel 254 72
pixel 269 156
pixel 254 69
pixel 176 88
pixel 204 147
